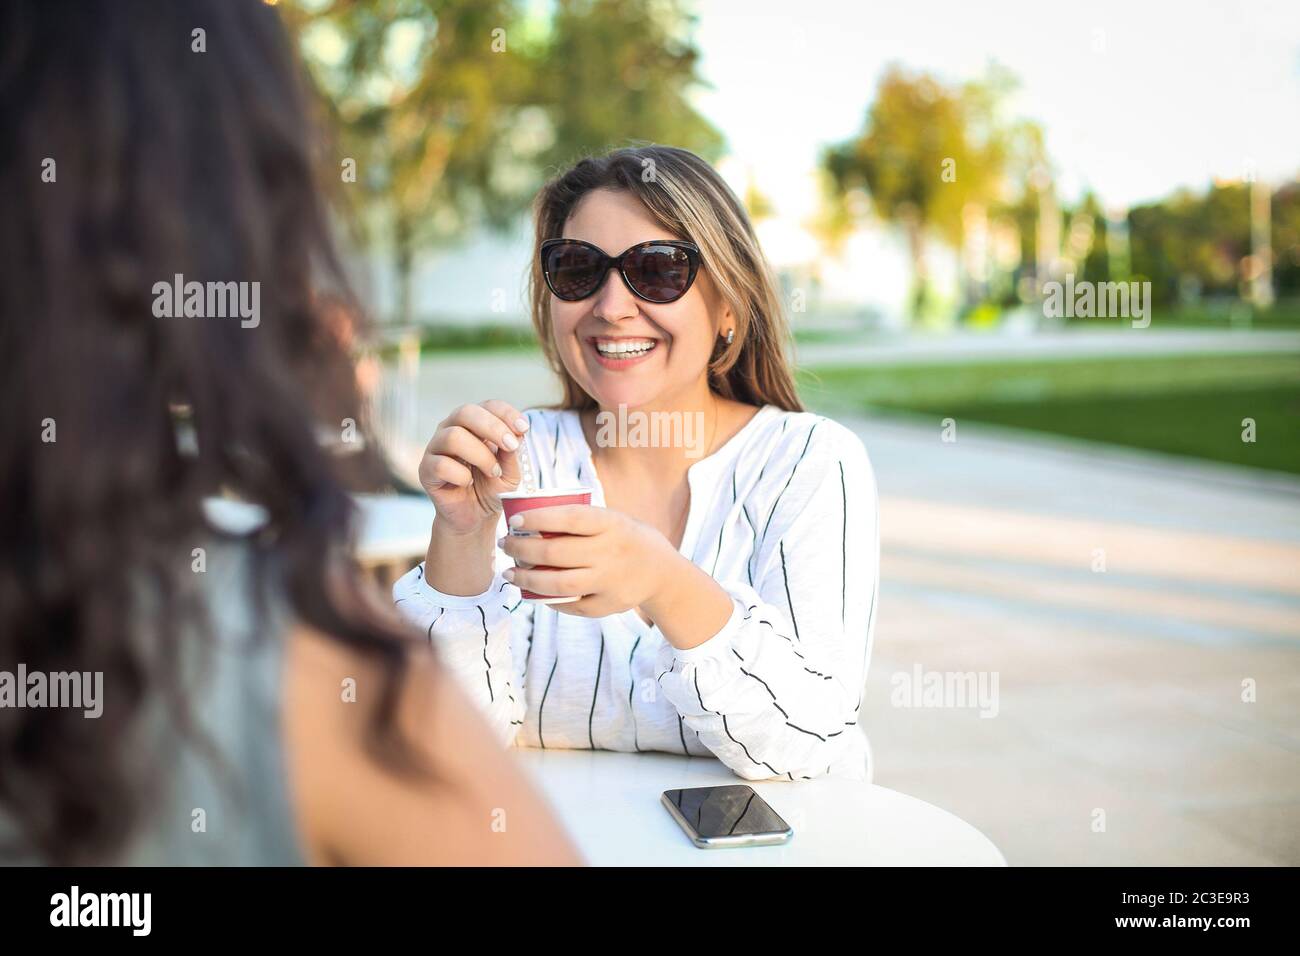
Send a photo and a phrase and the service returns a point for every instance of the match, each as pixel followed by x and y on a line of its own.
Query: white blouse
pixel 784 517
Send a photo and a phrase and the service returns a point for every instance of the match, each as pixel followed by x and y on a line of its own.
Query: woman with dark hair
pixel 163 247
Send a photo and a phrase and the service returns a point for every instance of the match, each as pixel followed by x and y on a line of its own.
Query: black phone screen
pixel 725 811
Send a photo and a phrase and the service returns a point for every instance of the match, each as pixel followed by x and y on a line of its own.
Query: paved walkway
pixel 1066 344
pixel 1119 690
pixel 1121 734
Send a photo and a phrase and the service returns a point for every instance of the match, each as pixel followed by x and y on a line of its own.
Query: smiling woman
pixel 672 195
pixel 717 596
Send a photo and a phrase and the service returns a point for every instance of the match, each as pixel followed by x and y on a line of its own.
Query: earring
pixel 731 334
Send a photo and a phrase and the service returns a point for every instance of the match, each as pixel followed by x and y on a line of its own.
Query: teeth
pixel 626 348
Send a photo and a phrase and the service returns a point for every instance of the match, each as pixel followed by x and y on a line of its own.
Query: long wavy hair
pixel 130 157
pixel 686 196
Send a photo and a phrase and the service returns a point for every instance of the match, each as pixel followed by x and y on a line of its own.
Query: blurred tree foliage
pixel 926 151
pixel 616 71
pixel 1192 237
pixel 930 154
pixel 1095 266
pixel 1286 240
pixel 454 111
pixel 1197 241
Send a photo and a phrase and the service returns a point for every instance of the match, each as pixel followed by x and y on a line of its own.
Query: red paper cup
pixel 515 502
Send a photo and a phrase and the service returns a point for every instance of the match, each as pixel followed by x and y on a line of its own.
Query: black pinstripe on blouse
pixel 487 663
pixel 591 714
pixel 631 686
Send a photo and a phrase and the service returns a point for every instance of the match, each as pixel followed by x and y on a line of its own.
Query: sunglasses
pixel 659 271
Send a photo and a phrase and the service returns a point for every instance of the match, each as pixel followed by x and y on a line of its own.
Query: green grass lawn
pixel 1283 315
pixel 435 339
pixel 1185 405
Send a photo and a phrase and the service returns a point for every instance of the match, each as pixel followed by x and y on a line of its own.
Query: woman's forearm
pixel 690 607
pixel 460 563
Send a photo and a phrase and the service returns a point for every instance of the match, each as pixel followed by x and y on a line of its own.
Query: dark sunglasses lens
pixel 659 273
pixel 573 270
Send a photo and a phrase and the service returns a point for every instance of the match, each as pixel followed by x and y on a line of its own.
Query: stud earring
pixel 731 334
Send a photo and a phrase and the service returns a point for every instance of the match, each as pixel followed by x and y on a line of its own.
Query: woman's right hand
pixel 470 461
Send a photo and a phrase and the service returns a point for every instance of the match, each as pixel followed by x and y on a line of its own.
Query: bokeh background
pixel 1104 514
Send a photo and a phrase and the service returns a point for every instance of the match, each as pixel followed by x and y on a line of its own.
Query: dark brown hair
pixel 129 157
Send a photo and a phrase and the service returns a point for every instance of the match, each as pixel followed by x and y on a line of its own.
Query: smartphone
pixel 734 815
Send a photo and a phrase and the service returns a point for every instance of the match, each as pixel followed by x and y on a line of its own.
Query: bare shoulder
pixel 459 801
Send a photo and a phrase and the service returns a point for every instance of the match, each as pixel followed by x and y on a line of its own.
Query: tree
pixel 1286 239
pixel 454 110
pixel 620 71
pixel 426 97
pixel 1187 236
pixel 925 153
pixel 1095 262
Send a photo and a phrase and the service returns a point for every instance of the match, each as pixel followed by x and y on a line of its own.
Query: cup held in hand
pixel 515 502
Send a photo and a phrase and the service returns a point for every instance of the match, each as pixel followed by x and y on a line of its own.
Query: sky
pixel 1136 97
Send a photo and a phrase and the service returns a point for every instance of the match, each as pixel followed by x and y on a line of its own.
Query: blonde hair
pixel 687 197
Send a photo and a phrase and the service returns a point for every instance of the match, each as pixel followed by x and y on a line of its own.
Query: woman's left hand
pixel 613 561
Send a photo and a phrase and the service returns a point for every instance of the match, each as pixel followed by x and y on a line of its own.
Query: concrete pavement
pixel 1129 605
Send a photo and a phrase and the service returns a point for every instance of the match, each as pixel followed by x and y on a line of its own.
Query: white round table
pixel 609 803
